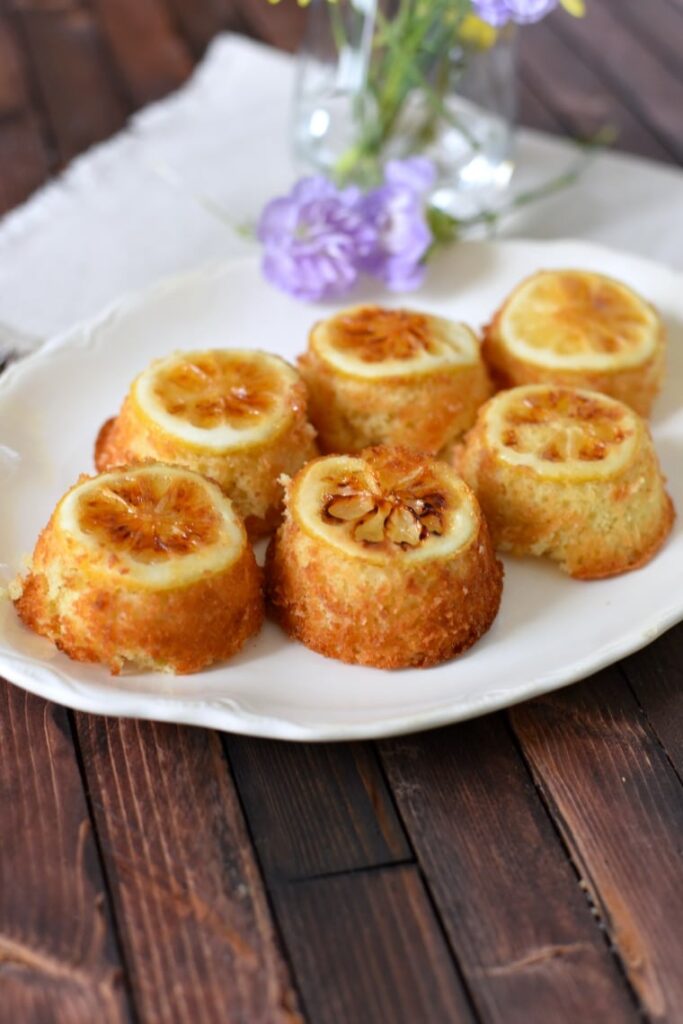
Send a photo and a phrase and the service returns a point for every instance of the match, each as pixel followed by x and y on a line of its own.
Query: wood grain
pixel 629 68
pixel 315 809
pixel 619 805
pixel 58 958
pixel 579 99
pixel 365 941
pixel 73 72
pixel 192 913
pixel 366 949
pixel 656 676
pixel 281 25
pixel 150 56
pixel 200 22
pixel 661 30
pixel 23 157
pixel 532 110
pixel 517 919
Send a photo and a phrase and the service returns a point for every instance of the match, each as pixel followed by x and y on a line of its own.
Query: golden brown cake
pixel 392 376
pixel 238 416
pixel 383 559
pixel 570 474
pixel 146 567
pixel 578 329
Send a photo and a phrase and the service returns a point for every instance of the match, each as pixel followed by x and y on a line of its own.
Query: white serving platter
pixel 551 630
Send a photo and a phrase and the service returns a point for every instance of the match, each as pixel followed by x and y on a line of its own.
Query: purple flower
pixel 319 239
pixel 499 12
pixel 314 239
pixel 415 172
pixel 396 210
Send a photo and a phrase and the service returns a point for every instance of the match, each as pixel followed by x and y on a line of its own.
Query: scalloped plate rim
pixel 231 715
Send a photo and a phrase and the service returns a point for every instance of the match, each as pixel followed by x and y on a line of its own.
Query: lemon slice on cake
pixel 157 525
pixel 582 329
pixel 562 434
pixel 147 566
pixel 383 559
pixel 370 342
pixel 218 401
pixel 568 473
pixel 236 415
pixel 393 376
pixel 378 509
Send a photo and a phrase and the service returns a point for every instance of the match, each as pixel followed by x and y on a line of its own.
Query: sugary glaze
pixel 396 377
pixel 560 433
pixel 568 474
pixel 578 320
pixel 236 416
pixel 217 399
pixel 147 567
pixel 383 559
pixel 371 342
pixel 377 509
pixel 156 526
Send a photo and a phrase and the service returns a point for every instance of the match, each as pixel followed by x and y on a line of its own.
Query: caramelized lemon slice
pixel 378 506
pixel 578 320
pixel 218 399
pixel 160 526
pixel 369 342
pixel 383 559
pixel 561 433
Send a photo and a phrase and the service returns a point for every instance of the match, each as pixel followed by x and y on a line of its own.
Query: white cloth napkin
pixel 123 215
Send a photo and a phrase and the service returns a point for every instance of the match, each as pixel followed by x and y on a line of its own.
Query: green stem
pixel 407 50
pixel 338 27
pixel 446 228
pixel 411 50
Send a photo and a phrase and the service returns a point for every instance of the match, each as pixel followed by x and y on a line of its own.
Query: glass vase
pixel 383 79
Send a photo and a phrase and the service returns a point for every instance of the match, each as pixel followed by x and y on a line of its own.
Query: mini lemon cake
pixel 383 559
pixel 392 376
pixel 236 415
pixel 146 567
pixel 570 474
pixel 579 329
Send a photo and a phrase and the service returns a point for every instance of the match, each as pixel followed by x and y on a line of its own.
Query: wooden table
pixel 522 868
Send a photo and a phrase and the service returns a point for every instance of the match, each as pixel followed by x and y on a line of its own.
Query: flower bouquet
pixel 383 202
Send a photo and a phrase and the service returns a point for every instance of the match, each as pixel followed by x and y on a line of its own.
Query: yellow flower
pixel 477 33
pixel 575 7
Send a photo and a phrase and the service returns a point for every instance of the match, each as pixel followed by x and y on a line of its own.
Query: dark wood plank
pixel 315 809
pixel 281 25
pixel 581 102
pixel 193 915
pixel 532 111
pixel 199 22
pixel 23 157
pixel 58 957
pixel 73 72
pixel 622 60
pixel 619 805
pixel 656 676
pixel 366 949
pixel 150 56
pixel 661 29
pixel 520 925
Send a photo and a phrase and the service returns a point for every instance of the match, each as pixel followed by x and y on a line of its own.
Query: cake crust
pixel 383 607
pixel 637 385
pixel 593 526
pixel 95 607
pixel 248 474
pixel 411 379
